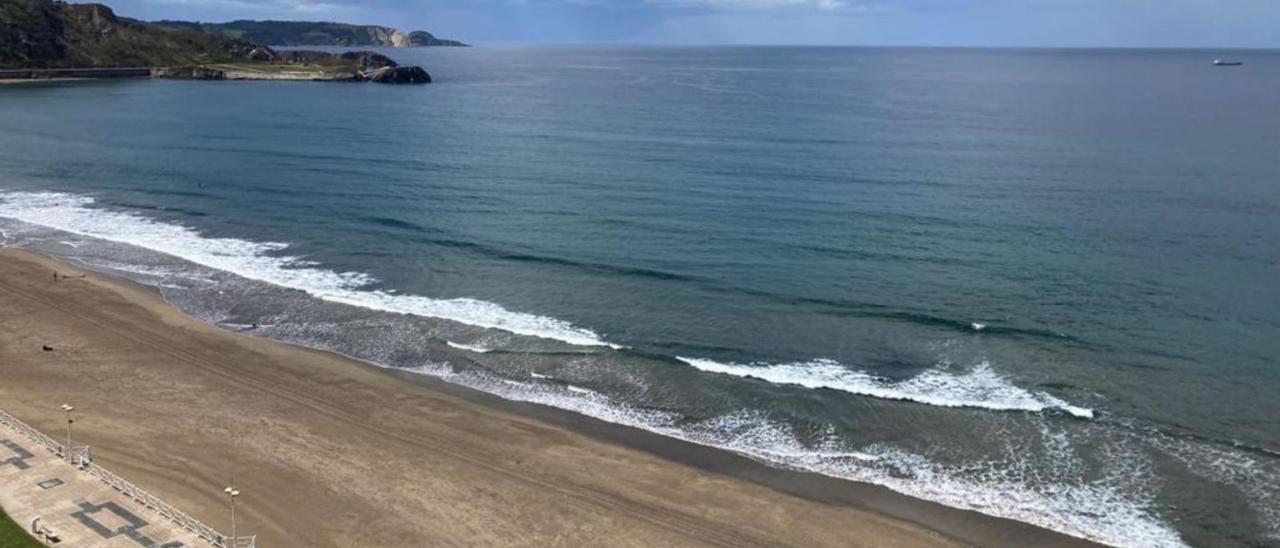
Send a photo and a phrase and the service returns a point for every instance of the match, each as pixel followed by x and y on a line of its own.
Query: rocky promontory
pixel 263 63
pixel 44 39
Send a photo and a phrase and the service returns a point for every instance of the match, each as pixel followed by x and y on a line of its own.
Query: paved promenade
pixel 81 509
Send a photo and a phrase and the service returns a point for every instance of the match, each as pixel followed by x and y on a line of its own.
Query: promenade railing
pixel 83 458
pixel 35 435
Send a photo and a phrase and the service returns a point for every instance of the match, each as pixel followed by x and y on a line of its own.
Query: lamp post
pixel 232 493
pixel 69 409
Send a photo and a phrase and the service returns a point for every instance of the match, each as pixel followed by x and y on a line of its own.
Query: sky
pixel 994 23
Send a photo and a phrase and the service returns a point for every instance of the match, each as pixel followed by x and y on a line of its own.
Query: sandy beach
pixel 329 451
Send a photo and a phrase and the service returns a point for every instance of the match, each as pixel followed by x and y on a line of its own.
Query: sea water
pixel 1040 284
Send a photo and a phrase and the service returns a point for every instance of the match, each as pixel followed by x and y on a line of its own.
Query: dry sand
pixel 332 452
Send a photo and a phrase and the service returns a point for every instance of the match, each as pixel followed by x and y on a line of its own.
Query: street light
pixel 233 493
pixel 69 409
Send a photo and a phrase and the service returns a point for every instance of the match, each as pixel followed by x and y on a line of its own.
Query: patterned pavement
pixel 80 509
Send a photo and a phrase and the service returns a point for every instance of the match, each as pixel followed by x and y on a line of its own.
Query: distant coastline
pixel 49 40
pixel 305 33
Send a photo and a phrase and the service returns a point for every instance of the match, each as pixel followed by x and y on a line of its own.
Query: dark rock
pixel 369 61
pixel 47 348
pixel 400 75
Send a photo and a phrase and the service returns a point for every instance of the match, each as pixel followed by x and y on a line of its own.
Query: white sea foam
pixel 1100 511
pixel 469 348
pixel 1088 510
pixel 263 261
pixel 978 326
pixel 980 387
pixel 1259 478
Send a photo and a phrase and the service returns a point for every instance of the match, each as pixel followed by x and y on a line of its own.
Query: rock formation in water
pixel 400 75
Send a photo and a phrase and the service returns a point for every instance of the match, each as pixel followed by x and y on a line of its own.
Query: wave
pixel 981 387
pixel 24 206
pixel 1099 512
pixel 266 262
pixel 262 261
pixel 1103 510
pixel 469 347
pixel 396 223
pixel 837 307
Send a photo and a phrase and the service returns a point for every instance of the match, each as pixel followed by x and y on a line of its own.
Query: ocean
pixel 1039 284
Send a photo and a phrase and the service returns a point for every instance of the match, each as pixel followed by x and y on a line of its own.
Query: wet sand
pixel 329 451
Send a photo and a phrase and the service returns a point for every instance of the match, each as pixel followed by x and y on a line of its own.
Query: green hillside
pixel 47 34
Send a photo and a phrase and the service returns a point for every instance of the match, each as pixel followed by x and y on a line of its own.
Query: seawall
pixel 49 74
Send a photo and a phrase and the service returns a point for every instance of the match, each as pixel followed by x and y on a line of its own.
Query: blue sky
pixel 1071 23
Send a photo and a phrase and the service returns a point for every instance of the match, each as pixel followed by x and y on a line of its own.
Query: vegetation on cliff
pixel 298 33
pixel 30 33
pixel 47 34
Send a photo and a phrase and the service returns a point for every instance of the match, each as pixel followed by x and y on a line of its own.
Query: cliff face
pixel 422 38
pixel 297 33
pixel 47 34
pixel 96 37
pixel 389 37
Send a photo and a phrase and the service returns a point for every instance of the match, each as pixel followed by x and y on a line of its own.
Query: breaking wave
pixel 264 261
pixel 1098 511
pixel 1102 510
pixel 980 387
pixel 469 347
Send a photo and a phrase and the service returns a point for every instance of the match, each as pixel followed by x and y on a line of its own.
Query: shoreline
pixel 967 526
pixel 866 511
